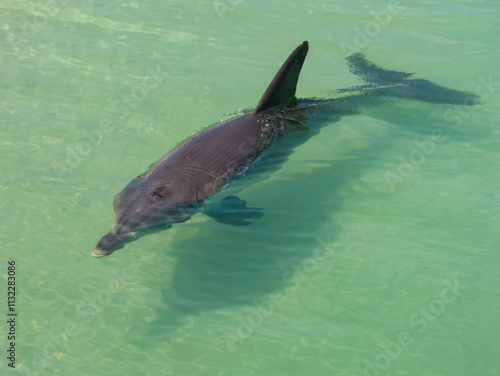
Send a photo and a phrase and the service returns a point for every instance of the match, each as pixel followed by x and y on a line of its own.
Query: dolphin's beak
pixel 108 244
pixel 97 252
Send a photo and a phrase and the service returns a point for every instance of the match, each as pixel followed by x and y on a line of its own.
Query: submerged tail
pixel 397 84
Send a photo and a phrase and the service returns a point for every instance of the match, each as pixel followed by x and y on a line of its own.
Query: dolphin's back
pixel 205 162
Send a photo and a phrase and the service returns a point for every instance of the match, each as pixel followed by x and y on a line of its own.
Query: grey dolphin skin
pixel 177 185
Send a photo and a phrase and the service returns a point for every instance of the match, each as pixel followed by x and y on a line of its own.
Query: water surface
pixel 377 254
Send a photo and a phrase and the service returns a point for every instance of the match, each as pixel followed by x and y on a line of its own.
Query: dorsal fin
pixel 281 90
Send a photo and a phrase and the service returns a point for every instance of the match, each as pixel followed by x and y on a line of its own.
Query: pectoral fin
pixel 233 211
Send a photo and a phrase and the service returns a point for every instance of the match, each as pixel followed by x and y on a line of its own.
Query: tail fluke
pixel 372 73
pixel 397 84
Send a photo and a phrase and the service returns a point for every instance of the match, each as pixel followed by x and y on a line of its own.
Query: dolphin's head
pixel 140 207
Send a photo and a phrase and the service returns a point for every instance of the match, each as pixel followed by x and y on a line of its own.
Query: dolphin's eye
pixel 157 196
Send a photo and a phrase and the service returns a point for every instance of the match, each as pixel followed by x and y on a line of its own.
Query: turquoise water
pixel 377 253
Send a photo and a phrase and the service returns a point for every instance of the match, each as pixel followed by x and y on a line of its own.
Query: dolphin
pixel 175 187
